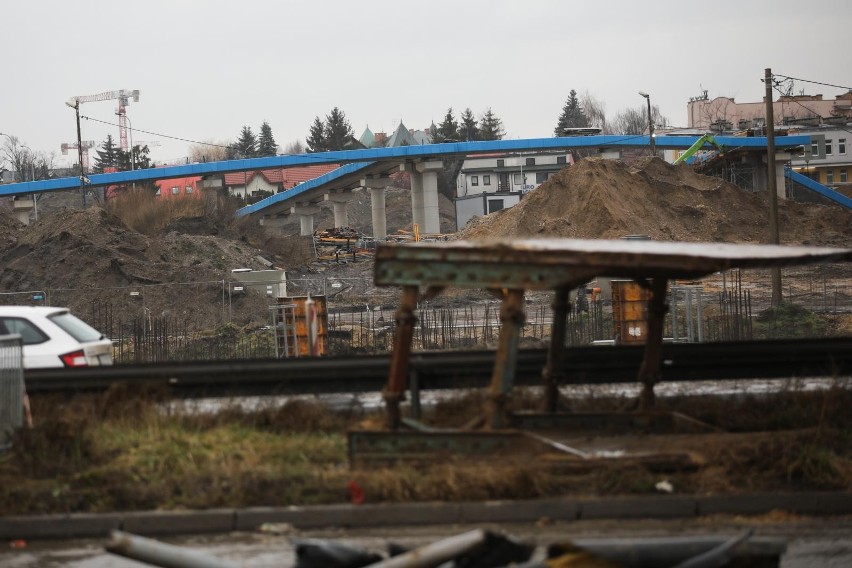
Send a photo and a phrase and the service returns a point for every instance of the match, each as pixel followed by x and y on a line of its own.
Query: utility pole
pixel 80 153
pixel 772 185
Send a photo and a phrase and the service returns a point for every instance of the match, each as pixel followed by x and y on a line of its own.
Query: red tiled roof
pixel 288 177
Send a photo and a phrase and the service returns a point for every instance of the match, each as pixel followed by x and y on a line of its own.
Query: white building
pixel 486 184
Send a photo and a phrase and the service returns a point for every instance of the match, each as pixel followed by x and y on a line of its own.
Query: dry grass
pixel 141 211
pixel 127 449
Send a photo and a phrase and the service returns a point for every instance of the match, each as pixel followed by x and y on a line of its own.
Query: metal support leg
pixel 556 352
pixel 394 392
pixel 503 377
pixel 649 371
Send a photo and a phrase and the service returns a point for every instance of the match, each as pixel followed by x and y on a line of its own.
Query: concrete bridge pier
pixel 23 206
pixel 417 207
pixel 338 200
pixel 760 180
pixel 377 201
pixel 431 216
pixel 306 214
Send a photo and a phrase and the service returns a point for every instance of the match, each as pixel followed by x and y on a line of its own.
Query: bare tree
pixel 635 120
pixel 209 151
pixel 294 147
pixel 27 164
pixel 595 111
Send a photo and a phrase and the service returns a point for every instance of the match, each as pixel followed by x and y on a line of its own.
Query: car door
pixel 38 350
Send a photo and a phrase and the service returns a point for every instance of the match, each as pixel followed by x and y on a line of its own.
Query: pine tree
pixel 448 130
pixel 107 156
pixel 490 126
pixel 572 115
pixel 316 137
pixel 266 145
pixel 246 144
pixel 468 128
pixel 338 131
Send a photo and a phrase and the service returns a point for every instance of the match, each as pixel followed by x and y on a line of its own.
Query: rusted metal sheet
pixel 552 263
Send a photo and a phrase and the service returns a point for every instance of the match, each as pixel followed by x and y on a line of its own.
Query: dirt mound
pixel 599 199
pixel 89 256
pixel 10 228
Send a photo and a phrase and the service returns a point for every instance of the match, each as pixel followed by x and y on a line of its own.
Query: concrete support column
pixel 431 216
pixel 306 218
pixel 377 185
pixel 380 222
pixel 417 216
pixel 781 158
pixel 339 199
pixel 23 206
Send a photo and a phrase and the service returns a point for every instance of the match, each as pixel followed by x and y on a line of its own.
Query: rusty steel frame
pixel 511 267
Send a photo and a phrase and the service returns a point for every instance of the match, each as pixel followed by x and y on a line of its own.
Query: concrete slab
pixel 59 526
pixel 179 522
pixel 761 503
pixel 639 508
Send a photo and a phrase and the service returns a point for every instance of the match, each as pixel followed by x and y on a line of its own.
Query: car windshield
pixel 76 328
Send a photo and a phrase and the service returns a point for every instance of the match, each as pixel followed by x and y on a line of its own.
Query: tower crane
pixel 123 97
pixel 85 146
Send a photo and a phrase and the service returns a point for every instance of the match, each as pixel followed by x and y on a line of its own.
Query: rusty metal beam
pixel 505 363
pixel 394 393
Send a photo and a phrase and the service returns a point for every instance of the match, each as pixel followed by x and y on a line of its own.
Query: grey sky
pixel 207 68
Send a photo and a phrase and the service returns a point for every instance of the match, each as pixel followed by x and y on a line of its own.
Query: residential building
pixel 244 184
pixel 187 187
pixel 829 159
pixel 486 184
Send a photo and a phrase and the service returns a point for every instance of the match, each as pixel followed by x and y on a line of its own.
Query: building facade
pixel 829 159
pixel 486 184
pixel 725 114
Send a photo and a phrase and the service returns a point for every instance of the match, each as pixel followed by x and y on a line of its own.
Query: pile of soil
pixel 600 199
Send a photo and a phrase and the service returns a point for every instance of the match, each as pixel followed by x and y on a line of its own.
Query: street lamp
pixel 650 123
pixel 32 178
pixel 132 156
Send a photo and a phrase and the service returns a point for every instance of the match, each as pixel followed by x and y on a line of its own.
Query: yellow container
pixel 629 312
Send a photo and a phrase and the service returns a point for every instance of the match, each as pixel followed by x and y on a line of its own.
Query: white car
pixel 53 337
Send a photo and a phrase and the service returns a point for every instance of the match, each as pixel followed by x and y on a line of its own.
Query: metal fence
pixel 11 387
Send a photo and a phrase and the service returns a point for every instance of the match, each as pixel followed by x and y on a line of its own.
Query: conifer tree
pixel 106 156
pixel 246 144
pixel 468 127
pixel 316 137
pixel 448 130
pixel 338 131
pixel 572 115
pixel 266 145
pixel 490 126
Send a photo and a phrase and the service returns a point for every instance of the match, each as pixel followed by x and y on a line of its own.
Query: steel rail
pixel 462 369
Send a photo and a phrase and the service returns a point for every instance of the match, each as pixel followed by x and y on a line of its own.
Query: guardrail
pixel 461 369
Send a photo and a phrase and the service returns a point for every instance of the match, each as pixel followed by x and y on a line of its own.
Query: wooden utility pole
pixel 772 185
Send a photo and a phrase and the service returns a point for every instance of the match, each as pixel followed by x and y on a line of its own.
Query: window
pixel 829 177
pixel 157 192
pixel 474 180
pixel 541 177
pixel 30 334
pixel 843 176
pixel 814 149
pixel 188 189
pixel 495 205
pixel 827 147
pixel 561 160
pixel 530 161
pixel 486 180
pixel 175 190
pixel 517 179
pixel 501 163
pixel 841 146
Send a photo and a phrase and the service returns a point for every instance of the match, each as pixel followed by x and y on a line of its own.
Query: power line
pixel 157 133
pixel 814 82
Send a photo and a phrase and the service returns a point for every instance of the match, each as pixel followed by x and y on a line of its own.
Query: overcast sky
pixel 206 68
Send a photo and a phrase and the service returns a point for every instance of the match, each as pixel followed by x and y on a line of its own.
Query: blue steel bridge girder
pixel 358 159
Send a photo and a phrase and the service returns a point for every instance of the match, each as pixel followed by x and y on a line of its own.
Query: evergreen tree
pixel 448 130
pixel 316 137
pixel 468 128
pixel 141 159
pixel 572 115
pixel 246 144
pixel 266 145
pixel 490 126
pixel 107 156
pixel 338 131
pixel 433 133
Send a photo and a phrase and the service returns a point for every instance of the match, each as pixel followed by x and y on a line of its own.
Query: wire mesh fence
pixel 11 387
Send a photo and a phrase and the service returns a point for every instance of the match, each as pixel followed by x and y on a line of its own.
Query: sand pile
pixel 600 199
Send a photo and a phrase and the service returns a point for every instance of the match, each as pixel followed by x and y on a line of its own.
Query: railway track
pixel 463 369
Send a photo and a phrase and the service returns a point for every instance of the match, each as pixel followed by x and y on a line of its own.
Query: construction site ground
pixel 92 256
